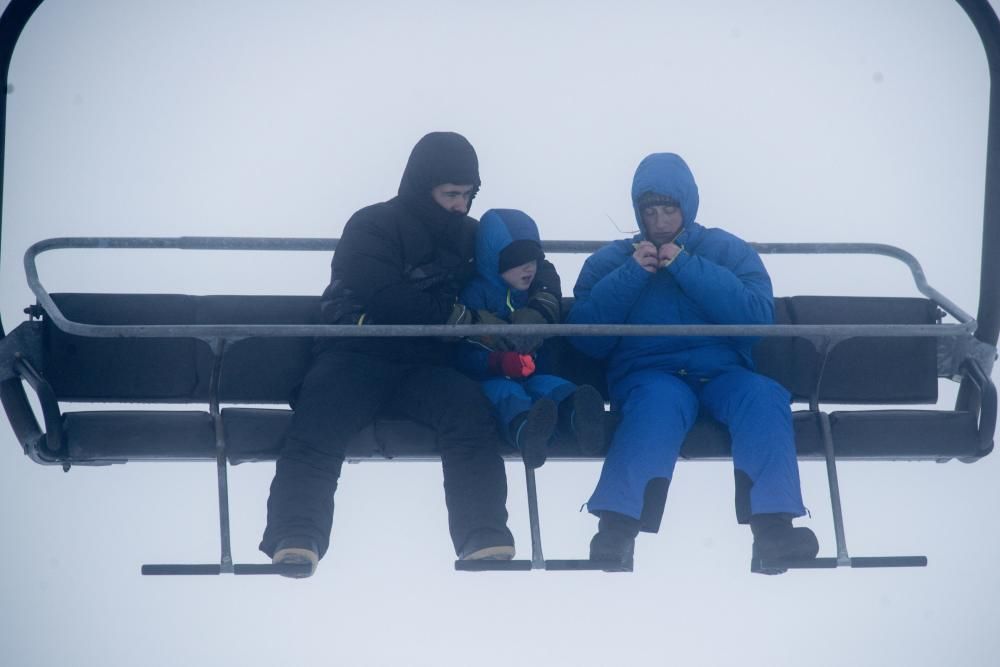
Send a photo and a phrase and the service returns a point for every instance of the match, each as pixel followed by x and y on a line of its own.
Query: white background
pixel 802 121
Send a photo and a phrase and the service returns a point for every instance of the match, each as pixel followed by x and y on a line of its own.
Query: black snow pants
pixel 342 393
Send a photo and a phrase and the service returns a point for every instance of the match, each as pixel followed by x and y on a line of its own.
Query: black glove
pixel 545 304
pixel 338 305
pixel 527 344
pixel 463 315
pixel 542 308
pixel 499 343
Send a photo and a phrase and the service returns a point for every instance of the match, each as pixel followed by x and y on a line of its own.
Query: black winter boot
pixel 776 540
pixel 582 416
pixel 532 430
pixel 614 542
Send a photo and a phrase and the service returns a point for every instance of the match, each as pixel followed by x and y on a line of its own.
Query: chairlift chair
pixel 161 349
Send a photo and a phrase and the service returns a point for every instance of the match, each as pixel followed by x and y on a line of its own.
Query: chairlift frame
pixel 970 345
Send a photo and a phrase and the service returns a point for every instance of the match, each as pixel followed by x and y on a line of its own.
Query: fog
pixel 802 121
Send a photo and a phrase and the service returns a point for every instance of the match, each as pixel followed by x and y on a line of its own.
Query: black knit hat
pixel 655 199
pixel 520 252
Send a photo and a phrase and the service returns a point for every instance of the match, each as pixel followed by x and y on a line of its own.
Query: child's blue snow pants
pixel 512 397
pixel 658 408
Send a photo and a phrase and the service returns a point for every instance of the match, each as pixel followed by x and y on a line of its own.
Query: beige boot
pixel 296 554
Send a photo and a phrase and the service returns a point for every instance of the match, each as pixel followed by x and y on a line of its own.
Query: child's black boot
pixel 582 416
pixel 531 431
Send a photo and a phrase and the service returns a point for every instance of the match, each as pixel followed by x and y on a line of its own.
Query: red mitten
pixel 511 364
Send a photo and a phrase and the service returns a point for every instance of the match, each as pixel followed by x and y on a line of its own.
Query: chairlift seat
pixel 265 372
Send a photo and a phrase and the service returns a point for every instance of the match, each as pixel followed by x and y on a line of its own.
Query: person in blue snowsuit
pixel 529 405
pixel 677 272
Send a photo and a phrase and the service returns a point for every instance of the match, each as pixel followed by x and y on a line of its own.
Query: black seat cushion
pixel 116 436
pixel 906 434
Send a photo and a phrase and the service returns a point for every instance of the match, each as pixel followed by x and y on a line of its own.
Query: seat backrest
pixel 261 370
pixel 176 370
pixel 125 369
pixel 871 370
pixel 267 370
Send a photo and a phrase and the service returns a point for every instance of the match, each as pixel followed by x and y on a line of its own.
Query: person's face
pixel 662 223
pixel 520 277
pixel 453 198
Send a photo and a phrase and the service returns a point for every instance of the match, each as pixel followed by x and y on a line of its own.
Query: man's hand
pixel 493 341
pixel 511 364
pixel 461 315
pixel 667 253
pixel 545 304
pixel 528 315
pixel 645 256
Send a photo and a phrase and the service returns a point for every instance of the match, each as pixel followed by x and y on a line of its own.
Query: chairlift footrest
pixel 550 565
pixel 287 569
pixel 778 566
pixel 179 569
pixel 486 565
pixel 831 563
pixel 585 565
pixel 889 561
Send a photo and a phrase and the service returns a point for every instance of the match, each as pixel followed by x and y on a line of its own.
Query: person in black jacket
pixel 398 262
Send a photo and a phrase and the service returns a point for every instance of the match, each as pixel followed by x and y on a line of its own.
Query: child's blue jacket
pixel 498 228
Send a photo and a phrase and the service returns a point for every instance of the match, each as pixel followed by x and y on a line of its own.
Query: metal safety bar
pixel 967 324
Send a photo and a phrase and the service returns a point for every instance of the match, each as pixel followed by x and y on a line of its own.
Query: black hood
pixel 438 158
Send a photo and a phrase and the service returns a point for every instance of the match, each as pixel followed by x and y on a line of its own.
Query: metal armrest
pixel 987 403
pixel 55 442
pixel 21 416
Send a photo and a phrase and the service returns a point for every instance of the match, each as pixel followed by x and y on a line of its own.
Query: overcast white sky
pixel 802 121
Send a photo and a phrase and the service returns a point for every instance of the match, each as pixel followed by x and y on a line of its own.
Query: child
pixel 530 405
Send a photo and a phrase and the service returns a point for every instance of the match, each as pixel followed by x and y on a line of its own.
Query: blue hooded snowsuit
pixel 660 384
pixel 498 228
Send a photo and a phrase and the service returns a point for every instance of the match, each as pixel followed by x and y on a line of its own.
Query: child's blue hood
pixel 665 174
pixel 498 228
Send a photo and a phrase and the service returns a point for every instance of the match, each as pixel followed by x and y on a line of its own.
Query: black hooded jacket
pixel 404 261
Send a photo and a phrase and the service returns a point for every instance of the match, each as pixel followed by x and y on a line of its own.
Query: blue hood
pixel 498 228
pixel 665 174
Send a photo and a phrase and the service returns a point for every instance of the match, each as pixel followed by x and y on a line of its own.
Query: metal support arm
pixel 824 345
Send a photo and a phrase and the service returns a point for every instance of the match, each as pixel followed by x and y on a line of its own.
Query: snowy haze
pixel 802 121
